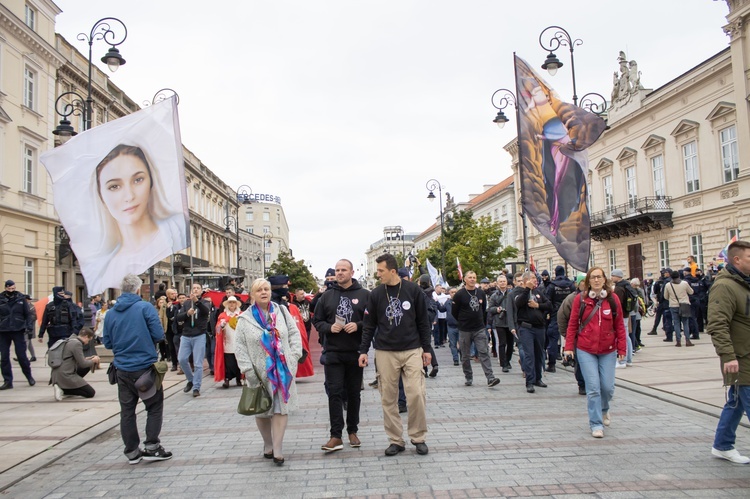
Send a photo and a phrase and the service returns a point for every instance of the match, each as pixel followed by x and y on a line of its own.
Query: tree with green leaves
pixel 297 270
pixel 476 243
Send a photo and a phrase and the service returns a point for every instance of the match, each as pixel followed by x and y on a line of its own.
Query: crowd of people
pixel 591 323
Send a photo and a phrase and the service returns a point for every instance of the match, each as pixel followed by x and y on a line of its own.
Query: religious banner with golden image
pixel 553 164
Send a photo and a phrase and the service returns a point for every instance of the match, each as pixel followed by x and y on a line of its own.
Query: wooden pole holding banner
pixel 520 179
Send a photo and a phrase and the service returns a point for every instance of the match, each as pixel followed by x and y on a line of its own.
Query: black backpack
pixel 631 298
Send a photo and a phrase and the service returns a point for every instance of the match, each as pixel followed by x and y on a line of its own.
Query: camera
pixel 569 361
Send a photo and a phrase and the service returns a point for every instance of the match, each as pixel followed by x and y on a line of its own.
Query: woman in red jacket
pixel 596 338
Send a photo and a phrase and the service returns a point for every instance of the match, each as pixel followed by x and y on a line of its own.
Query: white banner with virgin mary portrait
pixel 119 190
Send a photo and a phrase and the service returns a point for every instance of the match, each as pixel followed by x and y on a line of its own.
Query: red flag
pixel 553 164
pixel 532 267
pixel 460 271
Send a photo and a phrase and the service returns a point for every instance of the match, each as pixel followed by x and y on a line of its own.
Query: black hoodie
pixel 61 317
pixel 349 303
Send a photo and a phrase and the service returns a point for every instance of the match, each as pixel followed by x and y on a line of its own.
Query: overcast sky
pixel 346 108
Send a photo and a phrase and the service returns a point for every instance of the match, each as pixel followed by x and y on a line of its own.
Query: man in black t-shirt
pixel 468 308
pixel 398 310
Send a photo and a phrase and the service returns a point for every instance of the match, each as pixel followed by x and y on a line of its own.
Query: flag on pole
pixel 460 271
pixel 434 274
pixel 532 267
pixel 553 164
pixel 723 254
pixel 120 192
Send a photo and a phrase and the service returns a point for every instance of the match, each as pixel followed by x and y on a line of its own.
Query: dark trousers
pixel 19 342
pixel 172 348
pixel 667 319
pixel 443 328
pixel 553 342
pixel 435 334
pixel 504 345
pixel 696 327
pixel 579 377
pixel 532 342
pixel 128 395
pixel 343 379
pixel 210 346
pixel 84 391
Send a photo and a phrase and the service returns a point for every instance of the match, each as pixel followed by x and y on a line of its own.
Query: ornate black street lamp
pixel 431 185
pixel 505 98
pixel 106 29
pixel 559 37
pixel 229 219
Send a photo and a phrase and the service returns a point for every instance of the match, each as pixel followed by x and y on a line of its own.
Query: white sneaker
pixel 58 392
pixel 629 364
pixel 730 455
pixel 605 419
pixel 597 433
pixel 619 365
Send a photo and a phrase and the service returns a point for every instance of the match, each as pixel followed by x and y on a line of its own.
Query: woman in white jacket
pixel 269 344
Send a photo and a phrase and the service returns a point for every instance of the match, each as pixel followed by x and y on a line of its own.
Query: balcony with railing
pixel 631 218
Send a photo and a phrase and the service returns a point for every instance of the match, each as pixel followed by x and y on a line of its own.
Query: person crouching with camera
pixel 597 332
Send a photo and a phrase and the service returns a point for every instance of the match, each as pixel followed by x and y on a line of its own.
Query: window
pixel 609 200
pixel 30 238
pixel 28 169
pixel 29 88
pixel 30 20
pixel 657 169
pixel 696 248
pixel 612 260
pixel 278 217
pixel 268 243
pixel 266 229
pixel 249 216
pixel 732 233
pixel 690 159
pixel 505 209
pixel 729 154
pixel 249 229
pixel 496 215
pixel 663 254
pixel 588 195
pixel 631 186
pixel 591 259
pixel 549 264
pixel 266 217
pixel 28 277
pixel 268 258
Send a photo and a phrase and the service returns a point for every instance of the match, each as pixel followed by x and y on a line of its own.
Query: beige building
pixel 263 215
pixel 28 64
pixel 671 176
pixel 394 241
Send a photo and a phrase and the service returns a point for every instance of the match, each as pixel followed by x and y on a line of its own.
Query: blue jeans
pixel 731 415
pixel 195 345
pixel 680 324
pixel 453 341
pixel 629 351
pixel 599 373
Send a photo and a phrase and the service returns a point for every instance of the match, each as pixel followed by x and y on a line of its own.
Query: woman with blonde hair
pixel 597 333
pixel 268 348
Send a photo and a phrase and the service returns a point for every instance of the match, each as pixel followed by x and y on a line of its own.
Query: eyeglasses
pixel 596 277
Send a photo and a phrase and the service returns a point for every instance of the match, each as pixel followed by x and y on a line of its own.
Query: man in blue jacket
pixel 131 330
pixel 15 320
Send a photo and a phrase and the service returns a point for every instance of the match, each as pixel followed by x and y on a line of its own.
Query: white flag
pixel 119 190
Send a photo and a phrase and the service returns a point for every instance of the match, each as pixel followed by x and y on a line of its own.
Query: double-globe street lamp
pixel 106 29
pixel 431 185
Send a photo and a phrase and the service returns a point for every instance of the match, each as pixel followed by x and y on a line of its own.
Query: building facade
pixel 394 241
pixel 263 215
pixel 671 175
pixel 28 65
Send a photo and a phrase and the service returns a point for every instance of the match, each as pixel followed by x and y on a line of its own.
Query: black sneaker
pixel 374 384
pixel 581 390
pixel 394 449
pixel 455 362
pixel 136 459
pixel 493 382
pixel 550 368
pixel 468 382
pixel 421 448
pixel 196 393
pixel 401 409
pixel 506 369
pixel 188 387
pixel 158 454
pixel 434 372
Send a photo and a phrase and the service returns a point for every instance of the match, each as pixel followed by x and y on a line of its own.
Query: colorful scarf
pixel 276 368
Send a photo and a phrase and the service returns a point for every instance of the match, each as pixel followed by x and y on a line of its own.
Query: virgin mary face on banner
pixel 135 221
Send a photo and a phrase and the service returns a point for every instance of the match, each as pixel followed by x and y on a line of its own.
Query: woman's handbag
pixel 254 400
pixel 685 310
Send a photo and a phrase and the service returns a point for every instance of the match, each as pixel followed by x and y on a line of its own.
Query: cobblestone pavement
pixel 484 442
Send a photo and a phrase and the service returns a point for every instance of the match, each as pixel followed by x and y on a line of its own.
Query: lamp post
pixel 244 194
pixel 431 185
pixel 559 37
pixel 229 219
pixel 267 240
pixel 102 30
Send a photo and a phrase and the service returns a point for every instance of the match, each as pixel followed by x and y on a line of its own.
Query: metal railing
pixel 633 208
